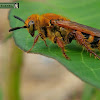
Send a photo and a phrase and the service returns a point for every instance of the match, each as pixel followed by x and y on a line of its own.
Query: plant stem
pixel 13 74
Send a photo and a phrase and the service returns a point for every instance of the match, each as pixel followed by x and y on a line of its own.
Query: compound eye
pixel 30 23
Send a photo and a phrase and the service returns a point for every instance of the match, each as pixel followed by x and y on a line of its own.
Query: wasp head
pixel 29 24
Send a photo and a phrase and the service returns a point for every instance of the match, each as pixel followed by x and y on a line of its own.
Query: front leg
pixel 80 39
pixel 35 40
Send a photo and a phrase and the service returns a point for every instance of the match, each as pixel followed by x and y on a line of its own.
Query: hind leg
pixel 80 39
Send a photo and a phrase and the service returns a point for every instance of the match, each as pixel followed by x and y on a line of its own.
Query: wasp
pixel 62 31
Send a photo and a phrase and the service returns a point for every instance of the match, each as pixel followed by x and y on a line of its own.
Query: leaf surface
pixel 84 12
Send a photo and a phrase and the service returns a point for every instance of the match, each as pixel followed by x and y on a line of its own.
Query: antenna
pixel 19 18
pixel 17 28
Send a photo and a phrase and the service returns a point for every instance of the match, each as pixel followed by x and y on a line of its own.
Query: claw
pixel 29 50
pixel 45 43
pixel 67 57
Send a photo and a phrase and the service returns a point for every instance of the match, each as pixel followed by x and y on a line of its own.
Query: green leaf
pixel 85 12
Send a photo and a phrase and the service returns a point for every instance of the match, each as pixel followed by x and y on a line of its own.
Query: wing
pixel 78 27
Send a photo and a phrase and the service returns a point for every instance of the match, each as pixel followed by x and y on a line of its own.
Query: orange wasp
pixel 62 31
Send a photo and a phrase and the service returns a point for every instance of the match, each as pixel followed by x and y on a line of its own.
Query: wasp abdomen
pixel 86 35
pixel 95 42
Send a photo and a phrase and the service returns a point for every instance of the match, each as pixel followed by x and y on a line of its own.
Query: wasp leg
pixel 80 39
pixel 35 40
pixel 61 45
pixel 45 42
pixel 43 39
